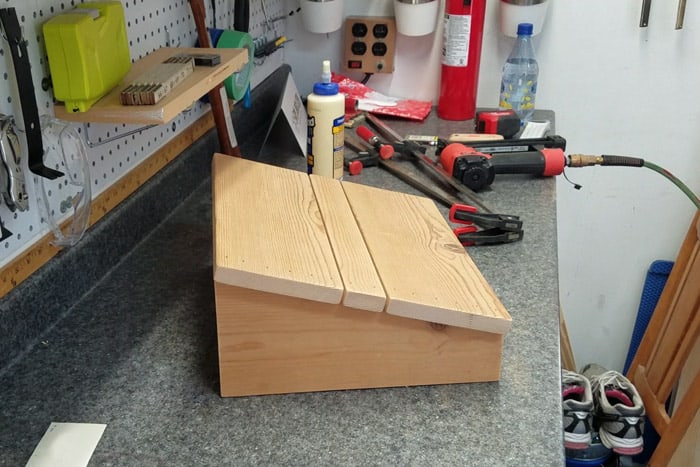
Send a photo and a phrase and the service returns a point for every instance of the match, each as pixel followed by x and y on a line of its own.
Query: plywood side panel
pixel 425 270
pixel 268 232
pixel 363 289
pixel 270 344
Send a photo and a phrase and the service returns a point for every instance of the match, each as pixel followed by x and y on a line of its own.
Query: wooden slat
pixel 268 232
pixel 688 451
pixel 669 345
pixel 567 353
pixel 363 289
pixel 679 427
pixel 679 331
pixel 658 322
pixel 110 110
pixel 19 269
pixel 426 272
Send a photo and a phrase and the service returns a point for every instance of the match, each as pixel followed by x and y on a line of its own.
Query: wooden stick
pixel 224 128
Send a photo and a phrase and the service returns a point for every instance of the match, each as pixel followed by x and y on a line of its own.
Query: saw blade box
pixel 323 284
pixel 88 52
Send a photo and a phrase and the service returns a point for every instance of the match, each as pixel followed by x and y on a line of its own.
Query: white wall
pixel 616 89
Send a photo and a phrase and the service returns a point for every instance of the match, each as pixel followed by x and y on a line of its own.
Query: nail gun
pixel 476 165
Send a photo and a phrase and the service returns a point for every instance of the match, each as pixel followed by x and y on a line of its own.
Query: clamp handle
pixel 386 151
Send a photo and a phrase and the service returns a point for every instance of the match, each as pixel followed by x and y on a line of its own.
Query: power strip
pixel 370 44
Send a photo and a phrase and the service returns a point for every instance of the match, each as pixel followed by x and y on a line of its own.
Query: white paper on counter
pixel 67 445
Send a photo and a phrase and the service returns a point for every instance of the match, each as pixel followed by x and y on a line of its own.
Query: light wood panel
pixel 110 110
pixel 268 232
pixel 278 236
pixel 363 289
pixel 425 271
pixel 272 344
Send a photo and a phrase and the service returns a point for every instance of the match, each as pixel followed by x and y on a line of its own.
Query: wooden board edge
pixel 477 322
pixel 235 178
pixel 28 262
pixel 363 293
pixel 285 287
pixel 498 320
pixel 567 352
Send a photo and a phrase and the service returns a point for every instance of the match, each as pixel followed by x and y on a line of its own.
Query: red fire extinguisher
pixel 461 54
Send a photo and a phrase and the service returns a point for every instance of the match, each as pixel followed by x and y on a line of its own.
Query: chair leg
pixel 682 417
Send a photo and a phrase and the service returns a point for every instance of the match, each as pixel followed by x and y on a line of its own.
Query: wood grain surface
pixel 268 232
pixel 270 236
pixel 272 344
pixel 363 289
pixel 425 271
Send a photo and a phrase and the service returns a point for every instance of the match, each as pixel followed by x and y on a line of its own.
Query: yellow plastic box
pixel 88 52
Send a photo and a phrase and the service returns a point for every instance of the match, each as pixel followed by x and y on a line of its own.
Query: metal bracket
pixel 30 112
pixel 92 144
pixel 646 9
pixel 680 15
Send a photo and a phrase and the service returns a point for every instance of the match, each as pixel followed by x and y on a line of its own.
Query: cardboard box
pixel 324 285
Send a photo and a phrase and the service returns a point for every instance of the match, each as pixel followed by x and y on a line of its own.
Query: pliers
pixel 484 228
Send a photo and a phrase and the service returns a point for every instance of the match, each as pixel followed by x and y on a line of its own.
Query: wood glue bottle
pixel 325 138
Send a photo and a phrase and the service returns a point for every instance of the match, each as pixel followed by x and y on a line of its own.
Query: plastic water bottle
pixel 519 82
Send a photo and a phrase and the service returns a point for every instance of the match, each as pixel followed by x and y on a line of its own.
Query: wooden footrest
pixel 322 284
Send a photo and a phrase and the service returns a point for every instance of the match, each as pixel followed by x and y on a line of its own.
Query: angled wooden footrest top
pixel 323 285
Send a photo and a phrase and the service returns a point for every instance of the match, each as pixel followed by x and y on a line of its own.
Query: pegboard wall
pixel 113 149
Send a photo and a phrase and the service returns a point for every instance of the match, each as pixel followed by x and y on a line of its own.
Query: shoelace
pixel 610 378
pixel 569 377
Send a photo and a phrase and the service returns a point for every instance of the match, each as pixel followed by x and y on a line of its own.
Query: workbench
pixel 137 351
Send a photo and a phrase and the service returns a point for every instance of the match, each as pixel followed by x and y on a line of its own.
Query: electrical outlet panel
pixel 370 44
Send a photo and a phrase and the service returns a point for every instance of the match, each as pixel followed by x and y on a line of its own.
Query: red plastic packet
pixel 359 97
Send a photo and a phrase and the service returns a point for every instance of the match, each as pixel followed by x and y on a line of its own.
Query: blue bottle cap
pixel 325 89
pixel 525 29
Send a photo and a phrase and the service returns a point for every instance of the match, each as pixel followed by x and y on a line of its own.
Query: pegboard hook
pixel 30 112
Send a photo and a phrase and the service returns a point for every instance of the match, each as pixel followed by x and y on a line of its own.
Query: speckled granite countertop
pixel 137 351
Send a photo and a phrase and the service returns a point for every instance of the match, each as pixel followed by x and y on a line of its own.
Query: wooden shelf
pixel 110 110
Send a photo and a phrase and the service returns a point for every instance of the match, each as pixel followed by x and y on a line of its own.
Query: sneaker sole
pixel 577 441
pixel 626 447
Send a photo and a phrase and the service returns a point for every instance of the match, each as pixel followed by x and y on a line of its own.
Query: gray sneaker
pixel 619 412
pixel 577 409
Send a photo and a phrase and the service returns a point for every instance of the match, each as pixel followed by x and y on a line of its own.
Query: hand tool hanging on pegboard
pixel 63 150
pixel 12 185
pixel 241 15
pixel 25 86
pixel 217 96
